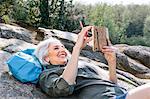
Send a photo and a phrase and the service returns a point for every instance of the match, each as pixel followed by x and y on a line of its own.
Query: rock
pixel 142 54
pixel 125 80
pixel 94 56
pixel 9 31
pixel 68 44
pixel 129 71
pixel 60 34
pixel 124 77
pixel 10 88
pixel 143 76
pixel 144 48
pixel 14 45
pixel 127 64
pixel 121 47
pixel 40 35
pixel 4 56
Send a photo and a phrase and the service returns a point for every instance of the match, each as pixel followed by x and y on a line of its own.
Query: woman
pixel 68 77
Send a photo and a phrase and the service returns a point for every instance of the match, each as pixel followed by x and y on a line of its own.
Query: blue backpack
pixel 25 67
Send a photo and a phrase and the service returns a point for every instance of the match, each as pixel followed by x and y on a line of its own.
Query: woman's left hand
pixel 110 53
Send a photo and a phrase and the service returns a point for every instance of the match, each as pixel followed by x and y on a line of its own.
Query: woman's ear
pixel 47 59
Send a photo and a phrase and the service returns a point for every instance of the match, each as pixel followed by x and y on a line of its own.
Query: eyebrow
pixel 58 45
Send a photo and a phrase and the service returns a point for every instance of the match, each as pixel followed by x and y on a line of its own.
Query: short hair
pixel 42 49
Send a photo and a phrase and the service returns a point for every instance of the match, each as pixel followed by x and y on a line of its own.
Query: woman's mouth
pixel 62 55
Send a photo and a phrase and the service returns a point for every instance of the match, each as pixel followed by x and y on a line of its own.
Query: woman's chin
pixel 64 62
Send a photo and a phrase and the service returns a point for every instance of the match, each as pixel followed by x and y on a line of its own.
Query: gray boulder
pixel 127 64
pixel 14 45
pixel 129 71
pixel 139 53
pixel 9 31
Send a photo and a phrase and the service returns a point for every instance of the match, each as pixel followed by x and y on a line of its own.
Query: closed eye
pixel 56 48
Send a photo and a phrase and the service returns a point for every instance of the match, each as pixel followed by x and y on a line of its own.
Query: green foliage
pixel 137 41
pixel 137 15
pixel 33 17
pixel 6 19
pixel 111 17
pixel 147 27
pixel 6 9
pixel 26 12
pixel 127 24
pixel 71 22
pixel 19 11
pixel 123 22
pixel 57 14
pixel 61 16
pixel 44 12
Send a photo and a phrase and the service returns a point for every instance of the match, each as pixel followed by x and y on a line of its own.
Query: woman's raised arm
pixel 71 69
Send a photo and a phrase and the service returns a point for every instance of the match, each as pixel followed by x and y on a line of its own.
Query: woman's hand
pixel 110 55
pixel 82 38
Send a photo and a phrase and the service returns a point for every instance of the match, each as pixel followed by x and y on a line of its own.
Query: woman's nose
pixel 62 49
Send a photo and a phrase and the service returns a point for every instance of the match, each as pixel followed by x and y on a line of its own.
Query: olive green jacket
pixel 88 85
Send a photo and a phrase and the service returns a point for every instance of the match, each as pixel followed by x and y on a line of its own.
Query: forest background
pixel 128 24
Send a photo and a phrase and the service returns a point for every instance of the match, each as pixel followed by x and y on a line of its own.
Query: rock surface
pixel 9 31
pixel 131 72
pixel 139 53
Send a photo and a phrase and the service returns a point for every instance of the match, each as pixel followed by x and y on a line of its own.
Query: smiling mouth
pixel 62 55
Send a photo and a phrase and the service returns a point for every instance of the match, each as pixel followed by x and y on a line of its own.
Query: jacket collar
pixel 53 66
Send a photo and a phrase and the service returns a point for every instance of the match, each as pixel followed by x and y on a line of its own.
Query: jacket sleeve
pixel 54 85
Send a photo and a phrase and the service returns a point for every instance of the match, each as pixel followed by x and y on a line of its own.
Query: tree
pixel 111 17
pixel 33 16
pixel 44 12
pixel 61 15
pixel 136 15
pixel 20 12
pixel 6 9
pixel 147 27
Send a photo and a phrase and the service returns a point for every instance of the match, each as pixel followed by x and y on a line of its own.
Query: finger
pixel 106 47
pixel 115 49
pixel 89 39
pixel 107 50
pixel 82 34
pixel 109 47
pixel 86 29
pixel 86 40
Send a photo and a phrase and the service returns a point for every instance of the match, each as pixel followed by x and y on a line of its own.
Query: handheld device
pixel 100 38
pixel 89 33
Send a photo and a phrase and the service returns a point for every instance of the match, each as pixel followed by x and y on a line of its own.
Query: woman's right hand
pixel 82 38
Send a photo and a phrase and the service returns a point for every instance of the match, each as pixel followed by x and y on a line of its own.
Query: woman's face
pixel 57 54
